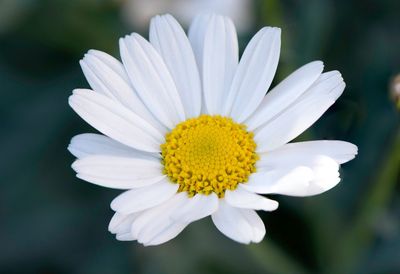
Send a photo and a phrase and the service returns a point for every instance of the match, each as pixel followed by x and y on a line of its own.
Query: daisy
pixel 190 132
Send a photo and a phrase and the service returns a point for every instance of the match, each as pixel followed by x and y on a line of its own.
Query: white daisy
pixel 189 131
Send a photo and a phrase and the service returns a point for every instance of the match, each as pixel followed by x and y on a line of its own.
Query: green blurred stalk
pixel 271 12
pixel 360 235
pixel 273 260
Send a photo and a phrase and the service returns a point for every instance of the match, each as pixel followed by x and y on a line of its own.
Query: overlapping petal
pixel 241 225
pixel 281 181
pixel 115 121
pixel 285 93
pixel 151 79
pixel 242 198
pixel 107 76
pixel 314 176
pixel 155 226
pixel 254 74
pixel 88 144
pixel 118 172
pixel 142 198
pixel 196 208
pixel 171 42
pixel 299 116
pixel 294 154
pixel 216 47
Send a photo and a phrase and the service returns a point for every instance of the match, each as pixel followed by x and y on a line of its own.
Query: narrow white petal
pixel 196 208
pixel 300 115
pixel 166 233
pixel 295 154
pixel 215 45
pixel 220 59
pixel 88 144
pixel 287 182
pixel 256 223
pixel 254 74
pixel 115 121
pixel 197 33
pixel 155 226
pixel 285 93
pixel 125 237
pixel 107 75
pixel 241 225
pixel 118 172
pixel 242 198
pixel 169 39
pixel 107 80
pixel 94 81
pixel 151 79
pixel 139 199
pixel 111 62
pixel 121 224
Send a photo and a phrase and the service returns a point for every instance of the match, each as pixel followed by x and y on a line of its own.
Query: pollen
pixel 209 154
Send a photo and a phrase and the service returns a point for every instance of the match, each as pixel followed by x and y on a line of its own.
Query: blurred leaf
pixel 358 236
pixel 273 260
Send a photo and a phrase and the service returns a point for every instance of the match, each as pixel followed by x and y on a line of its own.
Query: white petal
pixel 118 172
pixel 121 224
pixel 107 75
pixel 155 226
pixel 87 144
pixel 196 208
pixel 240 197
pixel 254 74
pixel 256 223
pixel 110 62
pixel 197 33
pixel 295 154
pixel 220 58
pixel 125 237
pixel 287 182
pixel 241 225
pixel 151 79
pixel 318 175
pixel 167 233
pixel 326 176
pixel 301 114
pixel 169 39
pixel 139 199
pixel 285 93
pixel 115 120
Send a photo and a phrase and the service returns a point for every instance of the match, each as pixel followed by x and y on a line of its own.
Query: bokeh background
pixel 51 222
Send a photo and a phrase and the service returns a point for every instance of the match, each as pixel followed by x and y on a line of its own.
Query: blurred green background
pixel 51 222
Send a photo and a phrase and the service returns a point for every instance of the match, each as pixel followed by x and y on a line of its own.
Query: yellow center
pixel 209 154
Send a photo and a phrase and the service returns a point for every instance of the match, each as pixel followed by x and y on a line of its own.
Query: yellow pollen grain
pixel 209 154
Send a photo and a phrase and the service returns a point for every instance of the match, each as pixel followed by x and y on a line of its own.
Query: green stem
pixel 273 260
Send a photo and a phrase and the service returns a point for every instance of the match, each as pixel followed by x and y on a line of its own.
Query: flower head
pixel 190 132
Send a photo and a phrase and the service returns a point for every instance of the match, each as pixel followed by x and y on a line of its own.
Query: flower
pixel 189 131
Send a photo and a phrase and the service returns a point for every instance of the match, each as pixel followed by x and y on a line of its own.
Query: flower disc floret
pixel 209 154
